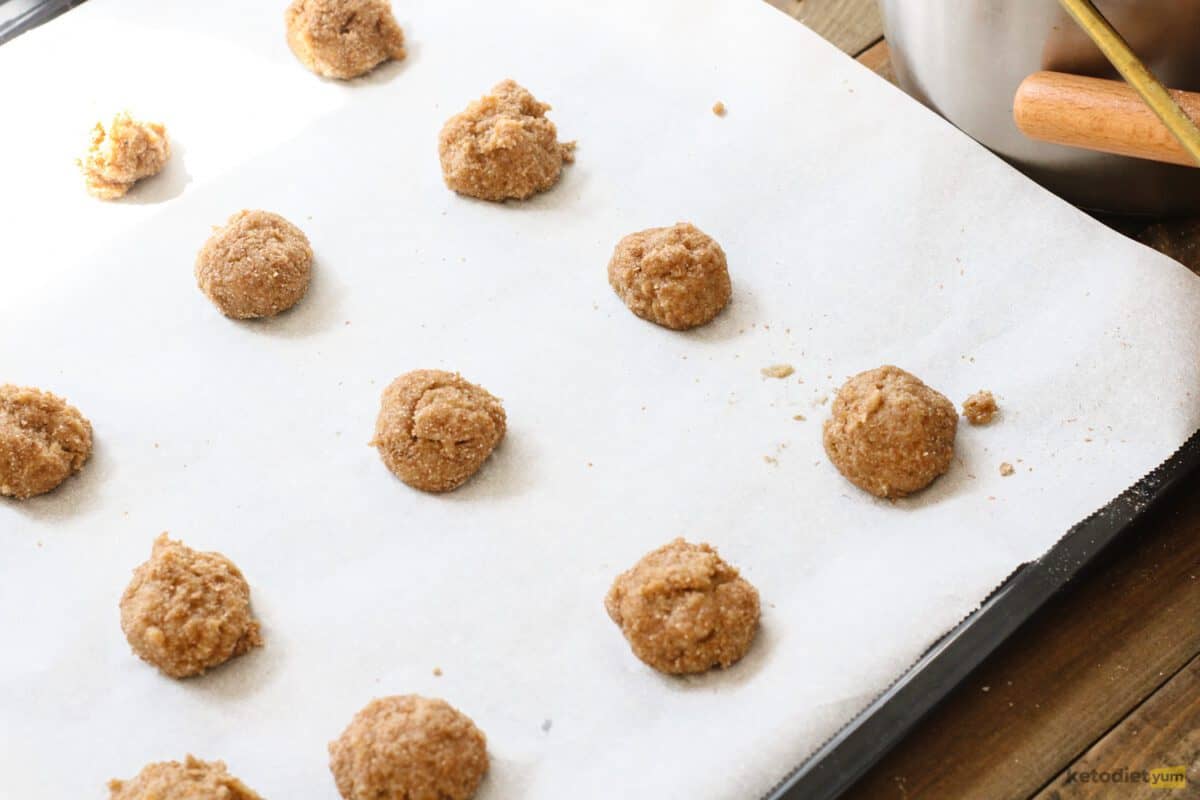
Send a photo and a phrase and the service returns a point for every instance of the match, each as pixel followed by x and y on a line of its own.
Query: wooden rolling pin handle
pixel 1098 114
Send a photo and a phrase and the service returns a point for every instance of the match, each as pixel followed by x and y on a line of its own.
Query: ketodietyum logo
pixel 1160 778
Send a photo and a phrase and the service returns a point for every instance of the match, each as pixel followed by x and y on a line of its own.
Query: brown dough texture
pixel 502 146
pixel 684 610
pixel 186 612
pixel 122 155
pixel 43 441
pixel 192 780
pixel 258 265
pixel 408 747
pixel 890 434
pixel 980 408
pixel 676 276
pixel 435 430
pixel 343 38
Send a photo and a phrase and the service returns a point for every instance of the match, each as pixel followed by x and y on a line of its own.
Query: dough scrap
pixel 192 780
pixel 435 429
pixel 502 147
pixel 186 612
pixel 258 265
pixel 890 434
pixel 122 155
pixel 676 277
pixel 43 441
pixel 684 610
pixel 408 747
pixel 980 408
pixel 343 38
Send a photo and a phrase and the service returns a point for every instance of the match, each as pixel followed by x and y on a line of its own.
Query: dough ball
pixel 980 408
pixel 192 780
pixel 502 146
pixel 408 747
pixel 673 276
pixel 343 38
pixel 435 429
pixel 889 433
pixel 186 612
pixel 258 265
pixel 122 155
pixel 43 441
pixel 684 610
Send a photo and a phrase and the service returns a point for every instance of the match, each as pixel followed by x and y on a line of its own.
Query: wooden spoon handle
pixel 1098 114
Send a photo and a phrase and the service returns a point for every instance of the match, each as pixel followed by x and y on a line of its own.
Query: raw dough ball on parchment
pixel 435 430
pixel 502 146
pixel 192 780
pixel 43 441
pixel 186 612
pixel 409 747
pixel 889 433
pixel 683 609
pixel 123 154
pixel 258 265
pixel 676 276
pixel 343 38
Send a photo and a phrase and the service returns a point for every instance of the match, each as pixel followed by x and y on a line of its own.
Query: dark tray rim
pixel 860 744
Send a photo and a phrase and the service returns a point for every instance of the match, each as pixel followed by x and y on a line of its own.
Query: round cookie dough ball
pixel 889 433
pixel 43 441
pixel 502 146
pixel 435 429
pixel 676 276
pixel 408 747
pixel 258 265
pixel 192 780
pixel 122 155
pixel 186 612
pixel 343 38
pixel 684 610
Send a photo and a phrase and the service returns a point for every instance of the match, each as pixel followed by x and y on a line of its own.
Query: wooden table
pixel 1106 676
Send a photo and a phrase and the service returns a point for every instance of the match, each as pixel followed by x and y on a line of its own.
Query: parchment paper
pixel 860 230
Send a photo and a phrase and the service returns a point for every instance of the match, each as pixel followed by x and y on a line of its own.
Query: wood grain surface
pixel 1107 675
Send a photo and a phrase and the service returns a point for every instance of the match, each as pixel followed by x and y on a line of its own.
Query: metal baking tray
pixel 853 750
pixel 834 767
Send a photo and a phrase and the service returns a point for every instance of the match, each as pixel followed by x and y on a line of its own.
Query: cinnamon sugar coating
pixel 408 747
pixel 343 38
pixel 676 276
pixel 257 265
pixel 502 147
pixel 191 780
pixel 683 609
pixel 43 441
pixel 435 430
pixel 890 434
pixel 186 612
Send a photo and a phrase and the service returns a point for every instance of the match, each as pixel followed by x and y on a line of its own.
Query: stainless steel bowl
pixel 965 59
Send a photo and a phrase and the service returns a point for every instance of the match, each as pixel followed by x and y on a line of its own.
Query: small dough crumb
pixel 435 429
pixel 258 265
pixel 122 155
pixel 676 277
pixel 980 408
pixel 890 434
pixel 186 612
pixel 437 672
pixel 719 108
pixel 799 417
pixel 684 610
pixel 343 38
pixel 43 441
pixel 407 747
pixel 192 780
pixel 1006 469
pixel 778 371
pixel 502 147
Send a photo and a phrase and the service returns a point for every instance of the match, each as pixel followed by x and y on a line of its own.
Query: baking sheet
pixel 860 230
